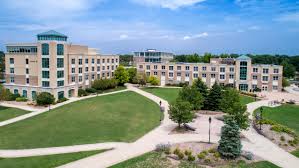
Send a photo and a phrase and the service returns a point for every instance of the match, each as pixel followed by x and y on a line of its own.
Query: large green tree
pixel 288 69
pixel 132 75
pixel 199 85
pixel 229 97
pixel 213 100
pixel 230 144
pixel 192 96
pixel 121 75
pixel 153 80
pixel 181 112
pixel 238 112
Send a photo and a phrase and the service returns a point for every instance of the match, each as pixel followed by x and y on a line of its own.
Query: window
pixel 275 87
pixel 187 68
pixel 80 70
pixel 73 70
pixel 254 77
pixel 80 61
pixel 112 60
pixel 98 61
pixel 45 62
pixel 60 49
pixel 178 74
pixel 222 69
pixel 163 73
pixel 187 75
pixel 254 86
pixel 222 76
pixel 255 70
pixel 148 73
pixel 265 78
pixel 171 68
pixel 92 69
pixel 204 75
pixel 213 68
pixel 73 79
pixel 86 76
pixel 155 73
pixel 265 70
pixel 108 60
pixel 27 61
pixel 195 75
pixel 15 91
pixel 27 71
pixel 112 67
pixel 103 68
pixel 60 62
pixel 45 49
pixel 155 67
pixel 276 70
pixel 170 74
pixel 11 60
pixel 33 93
pixel 60 74
pixel 80 79
pixel 140 66
pixel 98 68
pixel 243 87
pixel 12 70
pixel 24 93
pixel 86 69
pixel 213 75
pixel 73 61
pixel 275 78
pixel 108 67
pixel 231 69
pixel 86 61
pixel 27 80
pixel 204 68
pixel 45 83
pixel 103 60
pixel 92 76
pixel 195 68
pixel 163 66
pixel 46 74
pixel 60 94
pixel 60 83
pixel 92 61
pixel 108 74
pixel 148 67
pixel 243 70
pixel 12 79
pixel 178 68
pixel 98 76
pixel 231 76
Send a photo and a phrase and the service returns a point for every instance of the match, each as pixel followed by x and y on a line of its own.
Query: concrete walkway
pixel 43 110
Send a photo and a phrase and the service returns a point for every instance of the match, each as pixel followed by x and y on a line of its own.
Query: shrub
pixel 21 99
pixel 45 98
pixel 82 92
pixel 153 80
pixel 212 150
pixel 282 138
pixel 191 158
pixel 216 154
pixel 61 100
pixel 188 152
pixel 207 160
pixel 176 151
pixel 180 155
pixel 104 84
pixel 201 155
pixel 90 90
pixel 163 148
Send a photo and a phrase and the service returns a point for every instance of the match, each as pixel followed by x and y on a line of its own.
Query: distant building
pixel 239 73
pixel 53 65
pixel 152 55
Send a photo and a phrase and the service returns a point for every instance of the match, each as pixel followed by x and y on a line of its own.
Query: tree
pixel 121 75
pixel 181 112
pixel 153 80
pixel 288 69
pixel 199 85
pixel 238 112
pixel 141 78
pixel 45 98
pixel 230 143
pixel 213 100
pixel 285 82
pixel 229 97
pixel 132 75
pixel 192 96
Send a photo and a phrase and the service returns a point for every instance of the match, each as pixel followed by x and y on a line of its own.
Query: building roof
pixel 51 33
pixel 243 57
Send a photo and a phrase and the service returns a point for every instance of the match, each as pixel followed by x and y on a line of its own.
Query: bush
pixel 153 80
pixel 201 155
pixel 163 148
pixel 188 152
pixel 207 160
pixel 104 84
pixel 21 99
pixel 212 150
pixel 61 100
pixel 82 92
pixel 90 90
pixel 191 158
pixel 45 98
pixel 180 155
pixel 216 154
pixel 176 151
pixel 181 84
pixel 282 138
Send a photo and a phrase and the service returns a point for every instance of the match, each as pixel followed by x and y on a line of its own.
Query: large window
pixel 11 60
pixel 60 74
pixel 60 94
pixel 46 74
pixel 60 62
pixel 243 70
pixel 45 49
pixel 45 83
pixel 24 93
pixel 60 83
pixel 60 49
pixel 243 87
pixel 45 62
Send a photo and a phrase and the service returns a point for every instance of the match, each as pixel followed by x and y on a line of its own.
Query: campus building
pixel 152 55
pixel 53 65
pixel 239 73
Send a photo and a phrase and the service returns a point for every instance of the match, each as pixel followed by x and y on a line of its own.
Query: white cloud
pixel 254 28
pixel 123 36
pixel 170 4
pixel 290 17
pixel 201 35
pixel 240 31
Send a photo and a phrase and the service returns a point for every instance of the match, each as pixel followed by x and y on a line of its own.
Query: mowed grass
pixel 8 113
pixel 246 99
pixel 121 117
pixel 168 94
pixel 49 161
pixel 286 114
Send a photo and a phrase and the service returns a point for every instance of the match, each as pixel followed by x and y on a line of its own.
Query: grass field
pixel 287 115
pixel 118 117
pixel 154 159
pixel 246 99
pixel 8 113
pixel 168 94
pixel 49 161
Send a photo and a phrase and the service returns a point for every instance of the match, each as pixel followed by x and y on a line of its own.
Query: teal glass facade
pixel 45 49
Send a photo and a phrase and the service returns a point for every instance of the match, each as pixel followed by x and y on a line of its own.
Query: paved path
pixel 43 110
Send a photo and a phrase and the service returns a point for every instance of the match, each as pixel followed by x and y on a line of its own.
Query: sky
pixel 178 26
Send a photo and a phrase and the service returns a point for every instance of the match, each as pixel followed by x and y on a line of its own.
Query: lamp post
pixel 49 107
pixel 210 120
pixel 261 117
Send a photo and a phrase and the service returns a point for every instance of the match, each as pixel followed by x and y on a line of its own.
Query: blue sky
pixel 179 26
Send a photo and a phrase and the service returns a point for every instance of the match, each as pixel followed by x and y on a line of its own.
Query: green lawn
pixel 296 153
pixel 168 94
pixel 49 161
pixel 246 99
pixel 154 159
pixel 287 115
pixel 8 113
pixel 118 117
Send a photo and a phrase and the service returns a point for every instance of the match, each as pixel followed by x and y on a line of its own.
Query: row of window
pixel 80 70
pixel 12 80
pixel 46 48
pixel 22 49
pixel 73 61
pixel 47 83
pixel 80 78
pixel 265 78
pixel 46 62
pixel 266 70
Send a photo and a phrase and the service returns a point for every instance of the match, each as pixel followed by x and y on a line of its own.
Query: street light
pixel 210 120
pixel 261 117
